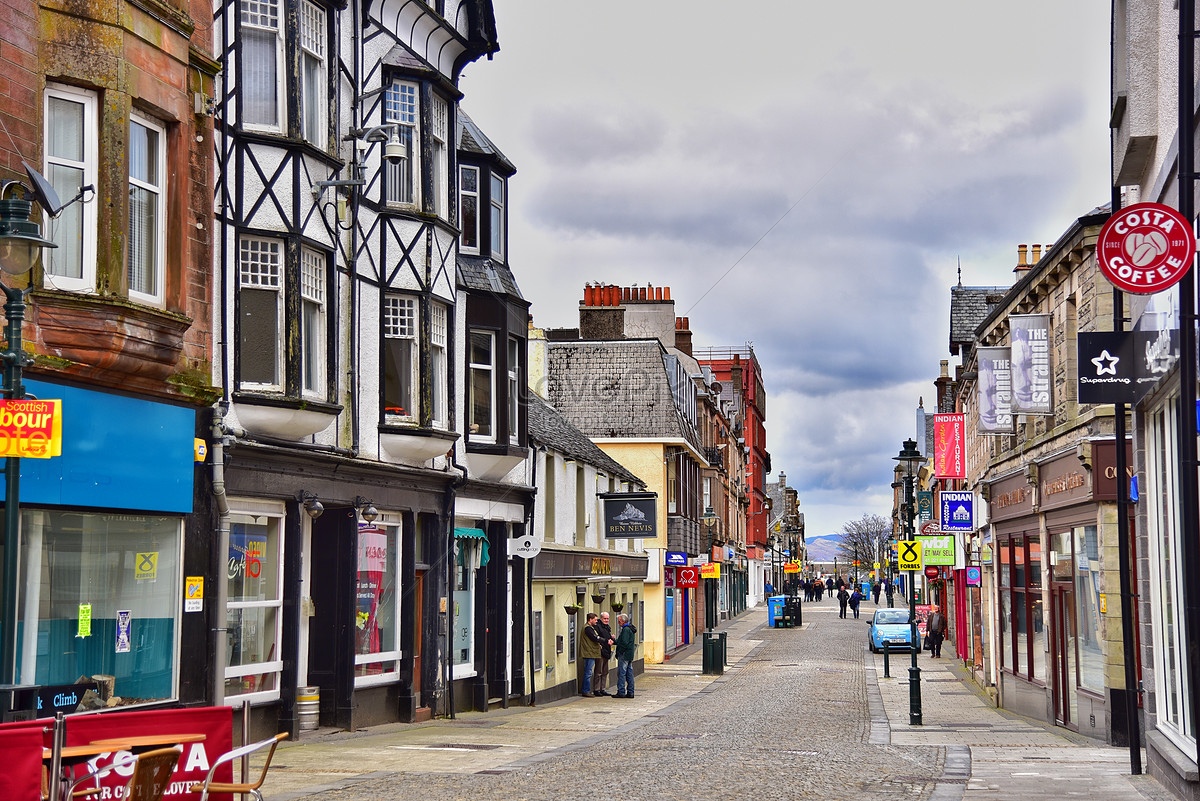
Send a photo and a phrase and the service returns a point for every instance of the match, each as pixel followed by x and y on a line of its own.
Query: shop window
pixel 377 611
pixel 100 596
pixel 253 615
pixel 1087 609
pixel 1023 632
pixel 72 162
pixel 470 554
pixel 146 243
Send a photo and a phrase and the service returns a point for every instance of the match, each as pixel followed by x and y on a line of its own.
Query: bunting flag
pixel 949 446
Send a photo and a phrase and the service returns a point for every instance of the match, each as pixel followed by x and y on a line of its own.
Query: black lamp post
pixel 20 247
pixel 910 460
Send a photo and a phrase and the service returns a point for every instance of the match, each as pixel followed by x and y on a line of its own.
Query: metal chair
pixel 152 774
pixel 251 789
pixel 92 776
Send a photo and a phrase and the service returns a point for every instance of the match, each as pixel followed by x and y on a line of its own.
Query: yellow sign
pixel 193 587
pixel 909 554
pixel 145 566
pixel 1103 604
pixel 710 570
pixel 876 565
pixel 85 621
pixel 791 567
pixel 31 428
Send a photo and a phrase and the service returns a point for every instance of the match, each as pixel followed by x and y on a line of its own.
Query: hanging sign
pixel 629 515
pixel 1030 363
pixel 924 505
pixel 525 547
pixel 31 428
pixel 956 511
pixel 949 446
pixel 687 578
pixel 1145 248
pixel 712 570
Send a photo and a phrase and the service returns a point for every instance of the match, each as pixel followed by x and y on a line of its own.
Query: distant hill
pixel 823 549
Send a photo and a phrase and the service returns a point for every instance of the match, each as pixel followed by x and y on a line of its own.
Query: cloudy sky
pixel 805 176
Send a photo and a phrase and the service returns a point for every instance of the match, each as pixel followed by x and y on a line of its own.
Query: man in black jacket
pixel 606 644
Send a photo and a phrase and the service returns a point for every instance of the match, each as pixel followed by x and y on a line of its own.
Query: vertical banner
pixel 949 446
pixel 994 391
pixel 1030 339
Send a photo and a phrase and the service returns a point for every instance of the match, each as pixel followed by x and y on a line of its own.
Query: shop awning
pixel 473 534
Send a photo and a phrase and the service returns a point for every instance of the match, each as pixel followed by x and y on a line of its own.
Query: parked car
pixel 891 625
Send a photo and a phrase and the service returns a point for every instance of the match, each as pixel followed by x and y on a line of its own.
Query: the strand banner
pixel 949 446
pixel 1029 336
pixel 994 391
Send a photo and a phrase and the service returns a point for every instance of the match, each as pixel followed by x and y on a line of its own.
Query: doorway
pixel 1063 660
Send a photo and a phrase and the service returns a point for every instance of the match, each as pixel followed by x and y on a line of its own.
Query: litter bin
pixel 792 611
pixel 775 610
pixel 714 662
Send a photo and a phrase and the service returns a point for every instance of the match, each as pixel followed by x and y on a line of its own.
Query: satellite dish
pixel 43 192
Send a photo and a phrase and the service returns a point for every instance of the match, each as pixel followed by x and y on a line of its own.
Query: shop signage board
pixel 931 572
pixel 791 567
pixel 675 558
pixel 924 505
pixel 630 515
pixel 908 555
pixel 957 511
pixel 525 547
pixel 937 550
pixel 974 576
pixel 949 446
pixel 31 428
pixel 687 577
pixel 1145 248
pixel 712 570
pixel 193 594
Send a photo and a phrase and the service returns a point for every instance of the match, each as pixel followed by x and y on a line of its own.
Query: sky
pixel 807 177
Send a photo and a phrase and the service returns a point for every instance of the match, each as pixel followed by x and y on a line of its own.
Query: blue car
pixel 891 625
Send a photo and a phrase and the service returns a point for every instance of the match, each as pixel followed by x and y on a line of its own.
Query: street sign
pixel 931 572
pixel 687 577
pixel 909 555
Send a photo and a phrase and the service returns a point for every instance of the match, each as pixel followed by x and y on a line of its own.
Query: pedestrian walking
pixel 589 651
pixel 626 648
pixel 829 586
pixel 808 590
pixel 818 589
pixel 606 651
pixel 769 589
pixel 855 599
pixel 935 628
pixel 843 599
pixel 875 591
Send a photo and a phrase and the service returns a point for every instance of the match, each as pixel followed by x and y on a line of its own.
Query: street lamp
pixel 21 244
pixel 910 461
pixel 710 520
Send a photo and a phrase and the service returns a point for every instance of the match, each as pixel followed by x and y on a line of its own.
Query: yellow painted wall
pixel 646 461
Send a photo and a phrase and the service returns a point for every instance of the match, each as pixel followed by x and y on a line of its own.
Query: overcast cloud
pixel 874 144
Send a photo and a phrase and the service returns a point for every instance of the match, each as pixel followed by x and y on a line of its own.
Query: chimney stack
pixel 1022 260
pixel 683 335
pixel 601 314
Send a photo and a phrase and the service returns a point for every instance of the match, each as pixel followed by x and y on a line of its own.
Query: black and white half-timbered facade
pixel 341 348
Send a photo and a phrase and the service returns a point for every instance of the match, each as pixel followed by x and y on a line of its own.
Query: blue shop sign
pixel 676 558
pixel 957 511
pixel 118 453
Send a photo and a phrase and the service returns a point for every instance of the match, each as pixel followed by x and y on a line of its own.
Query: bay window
pixel 400 362
pixel 438 364
pixel 377 611
pixel 71 138
pixel 440 137
pixel 261 72
pixel 498 218
pixel 514 390
pixel 260 301
pixel 254 617
pixel 147 212
pixel 313 74
pixel 481 386
pixel 400 109
pixel 312 322
pixel 468 216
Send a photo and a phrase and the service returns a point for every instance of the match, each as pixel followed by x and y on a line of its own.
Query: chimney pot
pixel 1022 255
pixel 666 293
pixel 1036 255
pixel 687 324
pixel 658 293
pixel 589 295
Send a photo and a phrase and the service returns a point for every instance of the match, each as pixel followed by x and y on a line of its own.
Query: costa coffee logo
pixel 1145 248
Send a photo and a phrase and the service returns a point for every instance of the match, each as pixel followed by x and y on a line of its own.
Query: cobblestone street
pixel 800 713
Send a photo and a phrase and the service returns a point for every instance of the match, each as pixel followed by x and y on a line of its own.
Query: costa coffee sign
pixel 1145 248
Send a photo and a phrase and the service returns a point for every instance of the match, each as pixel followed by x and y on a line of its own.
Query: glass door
pixel 1065 669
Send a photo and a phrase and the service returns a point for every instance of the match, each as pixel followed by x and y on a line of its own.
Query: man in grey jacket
pixel 626 650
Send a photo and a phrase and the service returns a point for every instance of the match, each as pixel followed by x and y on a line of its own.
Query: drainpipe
pixel 218 630
pixel 447 663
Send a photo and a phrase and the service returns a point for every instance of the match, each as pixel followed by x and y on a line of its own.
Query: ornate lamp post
pixel 910 461
pixel 21 244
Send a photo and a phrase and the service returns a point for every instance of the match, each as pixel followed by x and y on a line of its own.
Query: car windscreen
pixel 890 616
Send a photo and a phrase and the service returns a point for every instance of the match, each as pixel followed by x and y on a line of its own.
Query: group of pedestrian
pixel 849 596
pixel 597 649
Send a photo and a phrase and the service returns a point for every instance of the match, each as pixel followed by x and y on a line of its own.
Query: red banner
pixel 950 446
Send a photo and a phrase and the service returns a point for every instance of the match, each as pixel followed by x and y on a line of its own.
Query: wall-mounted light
pixel 366 509
pixel 313 507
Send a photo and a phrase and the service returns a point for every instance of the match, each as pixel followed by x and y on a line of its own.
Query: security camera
pixel 395 151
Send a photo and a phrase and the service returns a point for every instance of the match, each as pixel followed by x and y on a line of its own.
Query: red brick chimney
pixel 683 333
pixel 601 314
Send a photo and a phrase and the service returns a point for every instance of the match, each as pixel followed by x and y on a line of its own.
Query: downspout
pixel 218 630
pixel 448 512
pixel 529 577
pixel 352 261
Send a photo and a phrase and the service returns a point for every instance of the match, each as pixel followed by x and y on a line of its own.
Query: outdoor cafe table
pixel 145 742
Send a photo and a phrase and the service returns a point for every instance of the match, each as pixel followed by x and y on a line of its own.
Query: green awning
pixel 473 534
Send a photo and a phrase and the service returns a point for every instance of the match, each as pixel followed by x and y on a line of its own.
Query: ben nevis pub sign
pixel 630 515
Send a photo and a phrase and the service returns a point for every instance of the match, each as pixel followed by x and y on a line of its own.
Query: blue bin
pixel 775 609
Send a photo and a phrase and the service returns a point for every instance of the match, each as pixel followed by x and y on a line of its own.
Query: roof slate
pixel 472 139
pixel 548 427
pixel 485 275
pixel 970 306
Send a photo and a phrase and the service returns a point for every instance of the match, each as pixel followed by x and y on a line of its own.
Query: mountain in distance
pixel 823 549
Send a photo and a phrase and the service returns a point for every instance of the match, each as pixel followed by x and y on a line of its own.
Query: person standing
pixel 606 652
pixel 855 599
pixel 829 586
pixel 589 652
pixel 626 647
pixel 936 627
pixel 843 599
pixel 875 591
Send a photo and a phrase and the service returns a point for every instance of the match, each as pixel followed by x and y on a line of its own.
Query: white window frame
pixel 270 7
pixel 471 368
pixel 464 193
pixel 158 268
pixel 465 669
pixel 90 168
pixel 440 139
pixel 439 363
pixel 313 272
pixel 513 401
pixel 313 26
pixel 402 108
pixel 249 279
pixel 395 521
pixel 393 326
pixel 497 218
pixel 254 508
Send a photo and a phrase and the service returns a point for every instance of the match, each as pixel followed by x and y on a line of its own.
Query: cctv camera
pixel 395 151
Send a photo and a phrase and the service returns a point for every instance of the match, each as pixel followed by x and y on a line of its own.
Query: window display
pixel 376 638
pixel 252 660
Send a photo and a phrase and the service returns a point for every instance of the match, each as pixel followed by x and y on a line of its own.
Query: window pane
pixel 250 640
pixel 1005 633
pixel 143 241
pixel 259 336
pixel 64 132
pixel 375 614
pixel 1087 610
pixel 470 222
pixel 497 230
pixel 481 402
pixel 1021 657
pixel 481 349
pixel 464 607
pixel 260 81
pixel 125 569
pixel 400 173
pixel 66 230
pixel 143 153
pixel 1037 640
pixel 398 377
pixel 311 325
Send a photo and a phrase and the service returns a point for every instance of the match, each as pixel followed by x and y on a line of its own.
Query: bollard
pixel 887 650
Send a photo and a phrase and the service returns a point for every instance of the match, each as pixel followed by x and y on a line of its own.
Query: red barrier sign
pixel 1145 248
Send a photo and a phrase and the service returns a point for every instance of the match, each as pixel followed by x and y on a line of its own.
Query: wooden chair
pixel 251 789
pixel 74 790
pixel 152 774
